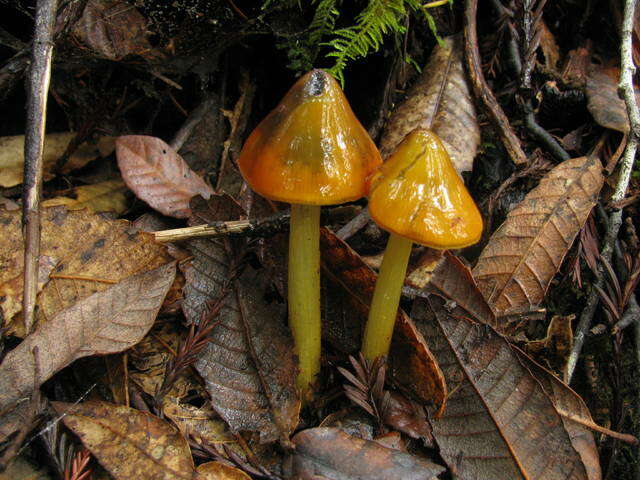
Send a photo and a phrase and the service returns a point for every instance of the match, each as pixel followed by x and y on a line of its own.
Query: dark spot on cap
pixel 317 83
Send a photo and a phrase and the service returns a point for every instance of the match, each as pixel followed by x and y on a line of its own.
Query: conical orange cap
pixel 418 194
pixel 311 149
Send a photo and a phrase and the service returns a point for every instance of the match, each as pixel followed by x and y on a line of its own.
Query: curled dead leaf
pixel 158 175
pixel 106 322
pixel 106 196
pixel 113 29
pixel 329 453
pixel 55 145
pixel 129 443
pixel 499 423
pixel 522 256
pixel 440 100
pixel 607 108
pixel 92 252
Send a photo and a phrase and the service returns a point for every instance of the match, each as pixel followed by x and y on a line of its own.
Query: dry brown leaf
pixel 106 196
pixel 251 390
pixel 248 366
pixel 116 378
pixel 607 108
pixel 419 272
pixel 158 175
pixel 113 29
pixel 213 259
pixel 549 47
pixel 92 252
pixel 522 256
pixel 219 471
pixel 55 145
pixel 105 322
pixel 149 359
pixel 21 469
pixel 408 417
pixel 499 423
pixel 452 280
pixel 329 453
pixel 557 343
pixel 128 443
pixel 566 400
pixel 411 364
pixel 11 289
pixel 199 422
pixel 441 101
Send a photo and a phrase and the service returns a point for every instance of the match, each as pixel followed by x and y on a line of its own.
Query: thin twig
pixel 625 87
pixel 482 90
pixel 238 121
pixel 354 225
pixel 544 137
pixel 590 424
pixel 192 121
pixel 39 78
pixel 260 227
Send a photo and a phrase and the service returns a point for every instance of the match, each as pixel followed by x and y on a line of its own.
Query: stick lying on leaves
pixel 261 227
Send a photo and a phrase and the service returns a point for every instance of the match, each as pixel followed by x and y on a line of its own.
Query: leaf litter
pixel 457 394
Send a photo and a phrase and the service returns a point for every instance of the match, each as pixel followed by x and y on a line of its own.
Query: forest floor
pixel 144 285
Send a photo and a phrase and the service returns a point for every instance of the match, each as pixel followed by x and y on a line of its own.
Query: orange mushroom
pixel 309 151
pixel 418 196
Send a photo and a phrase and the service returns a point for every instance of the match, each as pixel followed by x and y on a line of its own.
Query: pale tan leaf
pixel 106 196
pixel 91 252
pixel 499 423
pixel 331 454
pixel 158 175
pixel 55 144
pixel 128 443
pixel 220 471
pixel 199 422
pixel 522 256
pixel 105 322
pixel 11 289
pixel 441 101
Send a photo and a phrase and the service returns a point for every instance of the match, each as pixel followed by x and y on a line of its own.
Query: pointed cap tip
pixel 311 149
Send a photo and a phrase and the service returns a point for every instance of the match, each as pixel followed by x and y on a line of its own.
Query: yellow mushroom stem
pixel 386 297
pixel 304 291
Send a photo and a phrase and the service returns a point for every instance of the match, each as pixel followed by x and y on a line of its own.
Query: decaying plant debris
pixel 143 309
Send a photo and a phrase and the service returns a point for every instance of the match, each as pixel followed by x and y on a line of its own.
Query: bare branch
pixel 625 87
pixel 38 90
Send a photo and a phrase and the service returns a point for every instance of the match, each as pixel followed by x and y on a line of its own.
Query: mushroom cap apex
pixel 418 194
pixel 311 149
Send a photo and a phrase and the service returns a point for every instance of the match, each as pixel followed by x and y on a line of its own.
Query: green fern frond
pixel 372 24
pixel 324 20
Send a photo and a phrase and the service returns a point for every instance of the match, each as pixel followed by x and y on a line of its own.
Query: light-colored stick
pixel 615 219
pixel 255 227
